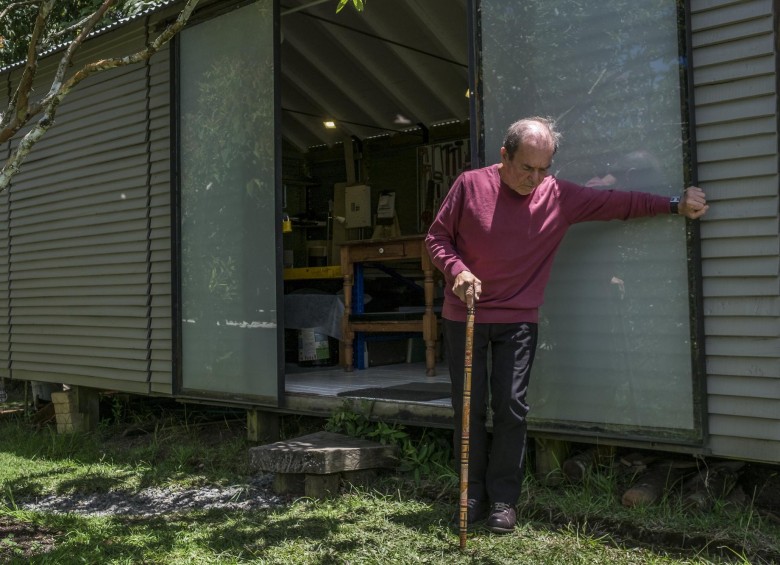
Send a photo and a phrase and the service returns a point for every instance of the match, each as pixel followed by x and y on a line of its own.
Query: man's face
pixel 528 167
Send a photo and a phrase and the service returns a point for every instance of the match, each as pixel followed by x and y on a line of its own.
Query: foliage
pixel 227 204
pixel 424 453
pixel 220 147
pixel 165 445
pixel 51 26
pixel 359 5
pixel 16 26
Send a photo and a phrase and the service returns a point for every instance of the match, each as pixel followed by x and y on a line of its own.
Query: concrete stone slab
pixel 321 453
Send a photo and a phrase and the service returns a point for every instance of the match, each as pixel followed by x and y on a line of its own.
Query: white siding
pixel 735 89
pixel 85 233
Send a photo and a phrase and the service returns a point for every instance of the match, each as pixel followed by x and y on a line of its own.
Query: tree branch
pixel 60 89
pixel 67 58
pixel 20 111
pixel 62 32
pixel 143 55
pixel 31 66
pixel 17 115
pixel 14 5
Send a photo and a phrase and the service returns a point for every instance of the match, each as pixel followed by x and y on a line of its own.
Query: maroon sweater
pixel 509 240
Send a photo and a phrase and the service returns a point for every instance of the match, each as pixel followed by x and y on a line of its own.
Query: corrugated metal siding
pixel 160 224
pixel 735 88
pixel 5 95
pixel 87 233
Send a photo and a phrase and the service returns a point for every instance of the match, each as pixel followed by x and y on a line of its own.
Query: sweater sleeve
pixel 584 204
pixel 441 237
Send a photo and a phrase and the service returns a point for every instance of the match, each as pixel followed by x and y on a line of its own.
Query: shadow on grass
pixel 219 449
pixel 310 533
pixel 721 544
pixel 351 529
pixel 34 485
pixel 240 535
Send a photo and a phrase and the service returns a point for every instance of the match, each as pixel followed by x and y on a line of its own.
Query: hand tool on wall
pixel 459 147
pixel 444 152
pixel 453 159
pixel 426 214
pixel 438 179
pixel 463 510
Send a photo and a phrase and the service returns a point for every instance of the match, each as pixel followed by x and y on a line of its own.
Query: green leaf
pixel 359 5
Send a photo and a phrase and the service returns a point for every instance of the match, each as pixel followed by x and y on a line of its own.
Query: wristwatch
pixel 674 205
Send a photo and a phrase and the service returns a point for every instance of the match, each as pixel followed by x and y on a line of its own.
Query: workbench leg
pixel 429 336
pixel 347 335
pixel 360 351
pixel 430 359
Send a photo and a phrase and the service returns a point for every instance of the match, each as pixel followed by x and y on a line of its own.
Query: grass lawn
pixel 397 520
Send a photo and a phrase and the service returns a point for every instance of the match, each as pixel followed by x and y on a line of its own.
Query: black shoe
pixel 502 518
pixel 477 511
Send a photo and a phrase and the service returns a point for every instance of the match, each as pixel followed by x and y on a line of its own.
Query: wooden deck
pixel 315 391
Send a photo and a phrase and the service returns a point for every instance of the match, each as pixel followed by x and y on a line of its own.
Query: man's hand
pixel 463 281
pixel 693 203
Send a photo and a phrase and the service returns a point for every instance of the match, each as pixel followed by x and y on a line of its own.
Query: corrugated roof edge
pixel 118 23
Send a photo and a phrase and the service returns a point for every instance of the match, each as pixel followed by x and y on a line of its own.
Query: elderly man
pixel 498 230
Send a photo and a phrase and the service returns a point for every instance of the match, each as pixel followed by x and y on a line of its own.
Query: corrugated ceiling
pixel 397 64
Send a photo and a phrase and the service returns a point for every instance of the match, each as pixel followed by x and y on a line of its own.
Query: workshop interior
pixel 375 126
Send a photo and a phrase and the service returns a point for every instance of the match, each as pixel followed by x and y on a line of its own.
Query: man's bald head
pixel 537 130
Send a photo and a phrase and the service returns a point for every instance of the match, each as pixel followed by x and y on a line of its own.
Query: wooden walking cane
pixel 465 419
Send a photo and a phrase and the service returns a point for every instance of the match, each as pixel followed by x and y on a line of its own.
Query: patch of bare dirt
pixel 762 484
pixel 19 540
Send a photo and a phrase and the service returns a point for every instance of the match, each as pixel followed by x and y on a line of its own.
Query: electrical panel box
pixel 358 206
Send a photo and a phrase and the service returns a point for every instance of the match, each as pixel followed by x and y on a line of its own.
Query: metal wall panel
pixel 5 310
pixel 160 276
pixel 85 250
pixel 735 89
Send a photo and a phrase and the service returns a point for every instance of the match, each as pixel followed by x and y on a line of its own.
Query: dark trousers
pixel 495 467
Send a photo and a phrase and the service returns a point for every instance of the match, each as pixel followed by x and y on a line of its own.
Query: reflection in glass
pixel 228 251
pixel 614 338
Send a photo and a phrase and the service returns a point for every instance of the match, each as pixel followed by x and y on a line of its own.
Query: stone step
pixel 315 463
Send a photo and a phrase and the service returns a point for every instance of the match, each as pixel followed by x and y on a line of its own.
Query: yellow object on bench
pixel 300 273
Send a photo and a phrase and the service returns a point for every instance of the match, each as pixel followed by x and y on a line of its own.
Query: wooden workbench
pixel 386 251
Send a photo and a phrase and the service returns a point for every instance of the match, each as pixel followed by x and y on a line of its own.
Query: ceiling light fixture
pixel 445 123
pixel 330 124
